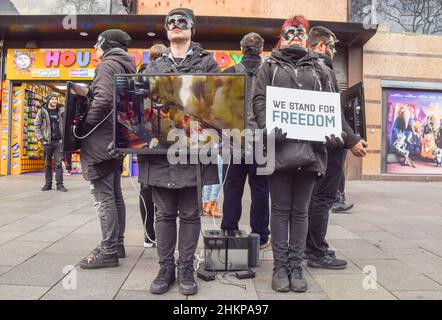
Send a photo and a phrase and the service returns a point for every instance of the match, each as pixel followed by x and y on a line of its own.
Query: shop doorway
pixel 26 152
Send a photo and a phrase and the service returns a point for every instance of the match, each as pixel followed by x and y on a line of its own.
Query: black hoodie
pixel 95 160
pixel 351 138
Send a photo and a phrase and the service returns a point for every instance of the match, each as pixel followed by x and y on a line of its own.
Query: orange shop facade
pixel 31 74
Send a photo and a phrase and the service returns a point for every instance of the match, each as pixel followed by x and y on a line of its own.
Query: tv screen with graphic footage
pixel 155 111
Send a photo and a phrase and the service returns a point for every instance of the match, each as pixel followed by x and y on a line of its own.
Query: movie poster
pixel 414 135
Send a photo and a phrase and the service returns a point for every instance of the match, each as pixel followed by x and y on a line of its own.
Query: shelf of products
pixel 32 148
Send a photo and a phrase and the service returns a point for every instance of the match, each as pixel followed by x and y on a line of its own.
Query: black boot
pixel 186 280
pixel 47 187
pixel 60 187
pixel 99 260
pixel 165 277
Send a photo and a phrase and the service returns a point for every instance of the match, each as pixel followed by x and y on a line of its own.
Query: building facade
pixel 398 63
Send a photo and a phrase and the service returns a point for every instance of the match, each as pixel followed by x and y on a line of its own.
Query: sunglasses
pixel 180 22
pixel 99 43
pixel 291 32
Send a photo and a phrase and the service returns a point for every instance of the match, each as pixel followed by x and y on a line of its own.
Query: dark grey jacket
pixel 249 66
pixel 95 160
pixel 280 70
pixel 155 170
pixel 351 138
pixel 43 124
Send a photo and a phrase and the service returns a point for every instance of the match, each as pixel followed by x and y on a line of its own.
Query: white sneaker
pixel 148 244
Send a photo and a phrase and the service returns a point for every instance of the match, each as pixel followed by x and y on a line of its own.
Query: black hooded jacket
pixel 292 67
pixel 351 138
pixel 96 162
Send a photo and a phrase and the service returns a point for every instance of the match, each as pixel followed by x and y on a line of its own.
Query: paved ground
pixel 394 234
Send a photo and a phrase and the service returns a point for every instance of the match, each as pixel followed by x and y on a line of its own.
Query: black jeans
pixel 290 193
pixel 341 186
pixel 147 211
pixel 323 197
pixel 53 150
pixel 173 203
pixel 233 193
pixel 109 204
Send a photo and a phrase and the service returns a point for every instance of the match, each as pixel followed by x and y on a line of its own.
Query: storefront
pixel 35 60
pixel 31 74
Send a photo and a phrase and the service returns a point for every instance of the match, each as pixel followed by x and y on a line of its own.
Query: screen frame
pixel 165 151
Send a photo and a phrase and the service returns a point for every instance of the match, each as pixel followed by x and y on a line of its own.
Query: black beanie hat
pixel 184 11
pixel 115 38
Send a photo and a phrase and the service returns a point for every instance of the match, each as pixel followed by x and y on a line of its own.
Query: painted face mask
pixel 179 21
pixel 100 42
pixel 332 45
pixel 290 33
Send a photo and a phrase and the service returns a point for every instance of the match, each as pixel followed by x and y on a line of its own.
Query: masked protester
pixel 252 45
pixel 49 131
pixel 99 167
pixel 174 187
pixel 291 66
pixel 322 42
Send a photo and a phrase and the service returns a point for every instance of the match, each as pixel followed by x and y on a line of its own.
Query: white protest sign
pixel 303 114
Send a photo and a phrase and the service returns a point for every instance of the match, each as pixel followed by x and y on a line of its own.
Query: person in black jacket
pixel 49 131
pixel 174 187
pixel 98 165
pixel 322 42
pixel 252 45
pixel 291 66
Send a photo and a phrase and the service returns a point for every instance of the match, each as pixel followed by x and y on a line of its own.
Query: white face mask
pixel 100 42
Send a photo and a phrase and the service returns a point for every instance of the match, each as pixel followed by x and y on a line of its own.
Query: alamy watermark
pixel 235 147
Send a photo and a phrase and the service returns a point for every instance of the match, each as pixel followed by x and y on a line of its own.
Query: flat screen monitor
pixel 76 106
pixel 156 111
pixel 353 105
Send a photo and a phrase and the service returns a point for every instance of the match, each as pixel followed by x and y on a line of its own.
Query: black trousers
pixel 341 187
pixel 290 192
pixel 233 193
pixel 171 204
pixel 147 211
pixel 50 151
pixel 109 204
pixel 323 197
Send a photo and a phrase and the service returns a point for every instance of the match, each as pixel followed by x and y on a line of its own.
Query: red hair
pixel 294 21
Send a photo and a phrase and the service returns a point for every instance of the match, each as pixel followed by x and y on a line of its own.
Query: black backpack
pixel 251 76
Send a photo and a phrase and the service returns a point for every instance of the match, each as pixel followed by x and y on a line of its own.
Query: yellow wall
pixel 313 9
pixel 394 56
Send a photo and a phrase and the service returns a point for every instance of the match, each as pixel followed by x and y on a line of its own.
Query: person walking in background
pixel 252 45
pixel 291 185
pixel 341 204
pixel 147 208
pixel 49 131
pixel 211 194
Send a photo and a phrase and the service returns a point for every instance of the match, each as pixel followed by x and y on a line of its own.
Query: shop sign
pixel 79 64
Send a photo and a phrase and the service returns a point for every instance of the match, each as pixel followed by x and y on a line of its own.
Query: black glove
pixel 336 142
pixel 280 136
pixel 114 153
